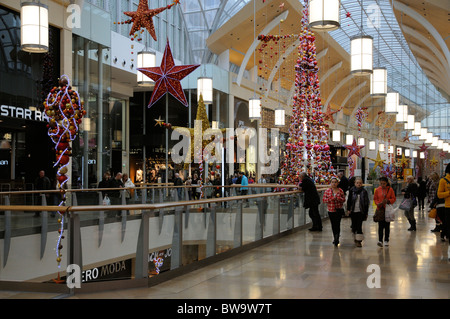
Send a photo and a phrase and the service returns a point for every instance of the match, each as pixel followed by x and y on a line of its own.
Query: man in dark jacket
pixel 311 200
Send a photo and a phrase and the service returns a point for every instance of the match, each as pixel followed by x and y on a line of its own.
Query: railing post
pixel 211 237
pixel 141 268
pixel 177 239
pixel 238 226
pixel 75 254
pixel 101 219
pixel 123 213
pixel 7 238
pixel 44 225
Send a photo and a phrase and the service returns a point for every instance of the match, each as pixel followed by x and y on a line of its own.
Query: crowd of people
pixel 435 191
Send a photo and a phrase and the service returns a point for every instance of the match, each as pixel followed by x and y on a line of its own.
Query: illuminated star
pixel 143 17
pixel 167 77
pixel 378 161
pixel 159 121
pixel 423 148
pixel 434 162
pixel 354 149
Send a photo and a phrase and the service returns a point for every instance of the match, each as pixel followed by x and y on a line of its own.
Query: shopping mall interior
pixel 157 149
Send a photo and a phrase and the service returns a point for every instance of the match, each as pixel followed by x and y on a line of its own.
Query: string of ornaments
pixel 64 111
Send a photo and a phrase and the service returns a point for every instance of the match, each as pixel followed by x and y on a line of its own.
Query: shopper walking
pixel 421 193
pixel 311 200
pixel 432 186
pixel 444 193
pixel 384 195
pixel 334 198
pixel 410 192
pixel 358 208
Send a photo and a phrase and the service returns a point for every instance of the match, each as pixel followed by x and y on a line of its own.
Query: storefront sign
pixel 117 270
pixel 21 113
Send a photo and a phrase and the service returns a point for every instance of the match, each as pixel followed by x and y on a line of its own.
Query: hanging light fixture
pixel 324 15
pixel 372 145
pixel 446 147
pixel 279 117
pixel 415 154
pixel 440 144
pixel 34 26
pixel 381 147
pixel 378 82
pixel 423 134
pixel 410 122
pixel 145 59
pixel 205 88
pixel 254 108
pixel 402 114
pixel 361 47
pixel 336 136
pixel 407 152
pixel 435 141
pixel 417 129
pixel 349 139
pixel 429 138
pixel 422 155
pixel 391 149
pixel 361 141
pixel 391 103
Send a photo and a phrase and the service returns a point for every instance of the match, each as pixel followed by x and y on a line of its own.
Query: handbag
pixel 389 213
pixel 432 213
pixel 379 215
pixel 406 204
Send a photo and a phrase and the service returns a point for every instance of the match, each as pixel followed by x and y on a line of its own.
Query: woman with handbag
pixel 410 194
pixel 444 193
pixel 433 199
pixel 384 195
pixel 358 208
pixel 334 198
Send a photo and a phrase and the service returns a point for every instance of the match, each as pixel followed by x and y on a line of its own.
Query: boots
pixel 336 239
pixel 358 240
pixel 412 222
pixel 437 229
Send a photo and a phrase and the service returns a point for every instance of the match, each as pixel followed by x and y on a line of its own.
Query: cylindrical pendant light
pixel 381 147
pixel 435 141
pixel 415 154
pixel 378 82
pixel 34 26
pixel 410 122
pixel 279 117
pixel 392 103
pixel 324 15
pixel 145 59
pixel 205 88
pixel 391 149
pixel 254 108
pixel 429 138
pixel 440 144
pixel 361 141
pixel 417 129
pixel 349 139
pixel 402 114
pixel 446 147
pixel 361 48
pixel 422 155
pixel 407 152
pixel 372 145
pixel 423 134
pixel 336 136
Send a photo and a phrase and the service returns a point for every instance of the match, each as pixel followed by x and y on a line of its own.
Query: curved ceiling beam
pixel 427 43
pixel 427 25
pixel 356 89
pixel 331 71
pixel 432 59
pixel 272 24
pixel 336 88
pixel 432 68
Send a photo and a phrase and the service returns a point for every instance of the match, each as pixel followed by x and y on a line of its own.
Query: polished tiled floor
pixel 307 265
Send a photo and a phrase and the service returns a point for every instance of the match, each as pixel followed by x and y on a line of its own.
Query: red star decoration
pixel 423 148
pixel 348 14
pixel 143 17
pixel 406 138
pixel 443 154
pixel 328 115
pixel 354 149
pixel 167 77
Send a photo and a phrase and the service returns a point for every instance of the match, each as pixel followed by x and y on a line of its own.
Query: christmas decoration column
pixel 308 130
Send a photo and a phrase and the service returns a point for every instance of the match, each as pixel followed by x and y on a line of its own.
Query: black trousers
pixel 445 223
pixel 315 217
pixel 357 220
pixel 335 219
pixel 385 227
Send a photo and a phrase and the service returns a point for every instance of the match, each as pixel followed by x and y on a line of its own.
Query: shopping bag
pixel 405 204
pixel 106 201
pixel 389 213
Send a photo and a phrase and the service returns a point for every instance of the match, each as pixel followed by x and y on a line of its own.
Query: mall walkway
pixel 306 265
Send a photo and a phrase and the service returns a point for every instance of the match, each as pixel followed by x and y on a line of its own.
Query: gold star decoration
pixel 378 161
pixel 159 121
pixel 434 161
pixel 404 160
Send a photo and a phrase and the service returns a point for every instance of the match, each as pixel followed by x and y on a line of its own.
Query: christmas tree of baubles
pixel 307 148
